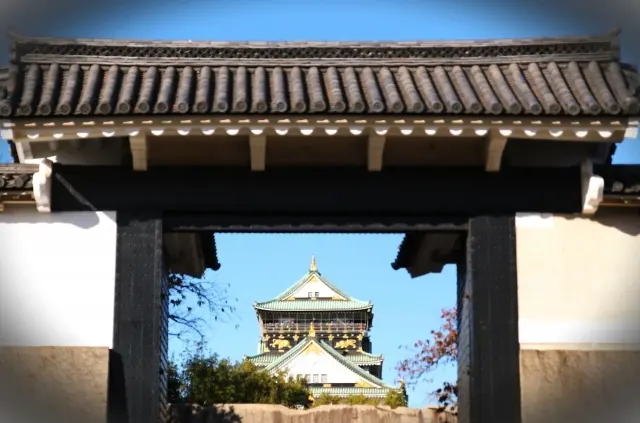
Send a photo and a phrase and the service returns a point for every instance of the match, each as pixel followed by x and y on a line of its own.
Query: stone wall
pixel 264 413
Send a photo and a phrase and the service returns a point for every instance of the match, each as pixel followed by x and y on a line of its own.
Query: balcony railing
pixel 319 327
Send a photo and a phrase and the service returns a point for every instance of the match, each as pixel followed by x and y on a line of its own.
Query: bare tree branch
pixel 188 294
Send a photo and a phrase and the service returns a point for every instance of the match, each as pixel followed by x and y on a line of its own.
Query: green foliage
pixel 393 399
pixel 175 387
pixel 208 380
pixel 326 399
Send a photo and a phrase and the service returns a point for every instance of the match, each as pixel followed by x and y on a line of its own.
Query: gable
pixel 315 285
pixel 312 359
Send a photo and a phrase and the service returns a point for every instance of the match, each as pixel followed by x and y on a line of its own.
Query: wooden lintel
pixel 416 191
pixel 139 145
pixel 495 144
pixel 375 152
pixel 258 152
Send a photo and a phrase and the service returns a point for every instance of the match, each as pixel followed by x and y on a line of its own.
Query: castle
pixel 314 330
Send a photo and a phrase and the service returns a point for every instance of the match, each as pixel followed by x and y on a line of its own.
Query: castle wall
pixel 578 317
pixel 314 361
pixel 57 276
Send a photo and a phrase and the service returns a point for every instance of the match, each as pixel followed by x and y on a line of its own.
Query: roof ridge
pixel 286 357
pixel 337 290
pixel 293 287
pixel 17 38
pixel 304 279
pixel 355 368
pixel 140 52
pixel 293 352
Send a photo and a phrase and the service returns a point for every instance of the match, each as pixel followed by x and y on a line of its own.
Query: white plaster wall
pixel 319 362
pixel 57 278
pixel 579 280
pixel 314 285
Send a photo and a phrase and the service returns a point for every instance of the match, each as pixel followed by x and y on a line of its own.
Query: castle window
pixel 317 294
pixel 316 378
pixel 310 294
pixel 323 378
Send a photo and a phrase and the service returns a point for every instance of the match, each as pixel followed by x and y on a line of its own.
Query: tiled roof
pixel 298 348
pixel 620 179
pixel 281 303
pixel 311 274
pixel 53 77
pixel 360 358
pixel 310 305
pixel 316 391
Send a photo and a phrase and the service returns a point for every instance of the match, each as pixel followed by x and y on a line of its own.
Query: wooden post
pixel 488 350
pixel 141 320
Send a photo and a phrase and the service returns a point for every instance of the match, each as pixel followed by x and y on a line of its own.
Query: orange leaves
pixel 440 348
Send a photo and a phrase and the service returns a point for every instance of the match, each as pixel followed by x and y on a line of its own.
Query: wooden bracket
pixel 42 186
pixel 592 188
pixel 375 152
pixel 139 145
pixel 23 148
pixel 495 144
pixel 258 152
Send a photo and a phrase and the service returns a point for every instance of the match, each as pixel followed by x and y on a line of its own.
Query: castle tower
pixel 316 331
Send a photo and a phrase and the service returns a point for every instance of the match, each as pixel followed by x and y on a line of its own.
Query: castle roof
pixel 311 341
pixel 359 358
pixel 289 301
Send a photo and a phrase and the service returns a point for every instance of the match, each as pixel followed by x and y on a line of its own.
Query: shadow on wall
pixel 28 215
pixel 215 414
pixel 117 411
pixel 624 220
pixel 247 413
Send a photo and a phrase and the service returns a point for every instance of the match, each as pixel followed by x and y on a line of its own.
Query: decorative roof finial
pixel 313 267
pixel 312 330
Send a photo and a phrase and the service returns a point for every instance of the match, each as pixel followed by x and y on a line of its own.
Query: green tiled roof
pixel 280 303
pixel 310 305
pixel 316 391
pixel 359 358
pixel 293 353
pixel 293 288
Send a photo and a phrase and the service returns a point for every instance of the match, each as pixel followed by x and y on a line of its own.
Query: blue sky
pixel 259 267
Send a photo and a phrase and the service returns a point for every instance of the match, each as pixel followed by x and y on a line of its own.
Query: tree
pixel 207 380
pixel 393 399
pixel 187 293
pixel 427 355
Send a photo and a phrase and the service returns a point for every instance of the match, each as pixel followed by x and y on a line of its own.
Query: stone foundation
pixel 560 386
pixel 53 384
pixel 264 413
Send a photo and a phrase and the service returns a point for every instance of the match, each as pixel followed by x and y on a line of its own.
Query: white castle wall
pixel 57 278
pixel 319 362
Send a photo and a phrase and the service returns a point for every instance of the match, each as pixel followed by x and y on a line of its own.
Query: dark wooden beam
pixel 488 344
pixel 326 192
pixel 308 223
pixel 140 338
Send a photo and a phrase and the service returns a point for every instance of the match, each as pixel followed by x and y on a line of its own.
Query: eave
pixel 423 252
pixel 299 348
pixel 28 185
pixel 571 89
pixel 309 305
